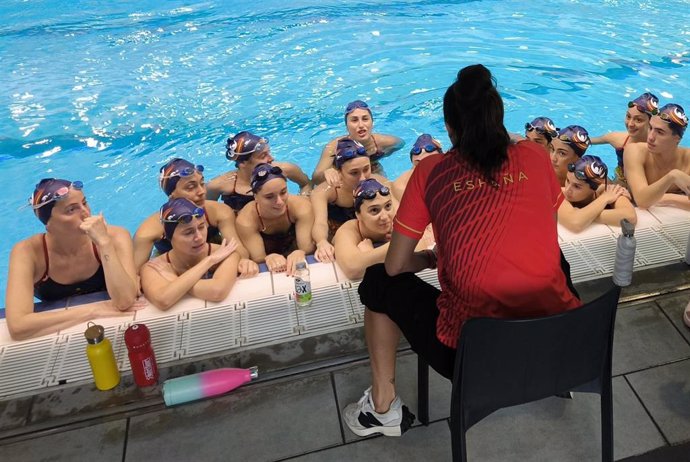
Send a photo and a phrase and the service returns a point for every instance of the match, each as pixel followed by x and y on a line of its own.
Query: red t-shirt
pixel 497 247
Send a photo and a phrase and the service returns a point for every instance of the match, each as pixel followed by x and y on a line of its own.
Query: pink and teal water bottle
pixel 206 384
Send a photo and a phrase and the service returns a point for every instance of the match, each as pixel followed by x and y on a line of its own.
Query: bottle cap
pixel 94 333
pixel 137 335
pixel 254 372
pixel 301 265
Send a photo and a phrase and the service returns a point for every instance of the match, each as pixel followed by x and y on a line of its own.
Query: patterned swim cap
pixel 347 149
pixel 576 137
pixel 367 190
pixel 674 116
pixel 263 173
pixel 177 211
pixel 241 146
pixel 590 169
pixel 543 126
pixel 47 192
pixel 647 103
pixel 175 169
pixel 425 142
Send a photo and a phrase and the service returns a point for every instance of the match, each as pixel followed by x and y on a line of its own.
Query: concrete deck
pixel 293 411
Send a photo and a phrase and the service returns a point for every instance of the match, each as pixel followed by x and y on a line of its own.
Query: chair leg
pixel 606 421
pixel 422 390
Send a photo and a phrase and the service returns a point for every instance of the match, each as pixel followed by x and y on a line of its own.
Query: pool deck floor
pixel 293 412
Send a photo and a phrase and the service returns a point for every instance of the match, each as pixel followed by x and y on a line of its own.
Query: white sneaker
pixel 363 420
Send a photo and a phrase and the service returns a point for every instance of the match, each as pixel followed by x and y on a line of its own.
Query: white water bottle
pixel 625 255
pixel 302 285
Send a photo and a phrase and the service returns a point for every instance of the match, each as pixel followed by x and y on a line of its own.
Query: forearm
pixel 417 262
pixel 121 286
pixel 356 263
pixel 31 325
pixel 649 195
pixel 680 201
pixel 320 232
pixel 580 218
pixel 217 288
pixel 169 295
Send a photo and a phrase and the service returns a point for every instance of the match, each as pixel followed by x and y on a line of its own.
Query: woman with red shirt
pixel 493 208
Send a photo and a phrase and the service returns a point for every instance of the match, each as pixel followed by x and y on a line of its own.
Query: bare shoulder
pixel 247 217
pixel 636 151
pixel 347 233
pixel 151 228
pixel 28 247
pixel 119 232
pixel 299 204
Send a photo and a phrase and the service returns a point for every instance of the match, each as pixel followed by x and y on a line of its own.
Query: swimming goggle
pixel 264 172
pixel 590 180
pixel 185 218
pixel 417 150
pixel 231 152
pixel 367 190
pixel 653 111
pixel 356 105
pixel 46 198
pixel 542 130
pixel 344 155
pixel 183 173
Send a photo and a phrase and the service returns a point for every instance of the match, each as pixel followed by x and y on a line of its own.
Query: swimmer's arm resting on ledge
pixel 22 322
pixel 645 194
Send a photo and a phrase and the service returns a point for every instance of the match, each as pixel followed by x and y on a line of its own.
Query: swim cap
pixel 674 116
pixel 543 126
pixel 262 173
pixel 576 137
pixel 425 142
pixel 347 149
pixel 356 104
pixel 367 189
pixel 47 192
pixel 590 169
pixel 175 169
pixel 647 103
pixel 243 145
pixel 177 211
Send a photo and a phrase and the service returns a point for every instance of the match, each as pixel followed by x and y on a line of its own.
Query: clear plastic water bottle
pixel 625 255
pixel 302 285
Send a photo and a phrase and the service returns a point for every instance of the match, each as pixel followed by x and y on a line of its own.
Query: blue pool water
pixel 105 92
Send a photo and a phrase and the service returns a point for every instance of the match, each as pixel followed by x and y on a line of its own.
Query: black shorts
pixel 411 304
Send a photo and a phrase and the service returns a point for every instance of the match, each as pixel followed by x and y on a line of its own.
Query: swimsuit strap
pixel 209 249
pixel 360 231
pixel 625 142
pixel 261 220
pixel 45 254
pixel 375 144
pixel 287 211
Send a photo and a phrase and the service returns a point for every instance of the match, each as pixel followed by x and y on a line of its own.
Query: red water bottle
pixel 141 356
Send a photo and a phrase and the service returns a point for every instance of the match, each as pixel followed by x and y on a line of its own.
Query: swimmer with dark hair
pixel 359 122
pixel 248 150
pixel 179 178
pixel 568 146
pixel 423 147
pixel 192 266
pixel 276 226
pixel 334 205
pixel 78 254
pixel 658 171
pixel 363 242
pixel 541 130
pixel 590 199
pixel 637 117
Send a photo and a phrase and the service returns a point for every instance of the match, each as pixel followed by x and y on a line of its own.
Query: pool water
pixel 106 92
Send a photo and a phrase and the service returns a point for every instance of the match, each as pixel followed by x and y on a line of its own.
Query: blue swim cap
pixel 177 211
pixel 576 137
pixel 347 149
pixel 175 169
pixel 262 173
pixel 47 192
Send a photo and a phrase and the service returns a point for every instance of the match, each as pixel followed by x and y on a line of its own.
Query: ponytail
pixel 473 112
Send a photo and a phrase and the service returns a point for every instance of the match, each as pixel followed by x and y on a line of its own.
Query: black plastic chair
pixel 506 362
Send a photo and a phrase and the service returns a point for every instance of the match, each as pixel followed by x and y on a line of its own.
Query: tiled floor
pixel 297 417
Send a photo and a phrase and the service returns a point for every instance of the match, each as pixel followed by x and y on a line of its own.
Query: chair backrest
pixel 505 362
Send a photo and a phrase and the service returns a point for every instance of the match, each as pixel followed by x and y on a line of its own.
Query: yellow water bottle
pixel 101 357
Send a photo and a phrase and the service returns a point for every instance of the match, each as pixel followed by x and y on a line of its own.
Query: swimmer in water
pixel 637 117
pixel 79 253
pixel 276 226
pixel 193 266
pixel 359 122
pixel 570 144
pixel 590 199
pixel 541 130
pixel 423 147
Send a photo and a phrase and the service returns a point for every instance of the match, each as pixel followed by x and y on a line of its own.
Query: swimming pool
pixel 106 92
